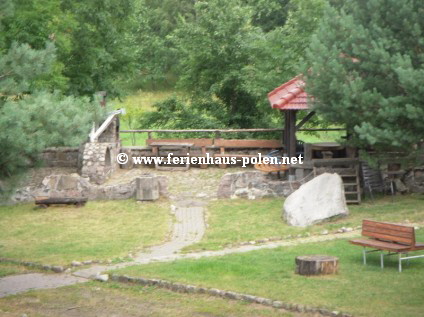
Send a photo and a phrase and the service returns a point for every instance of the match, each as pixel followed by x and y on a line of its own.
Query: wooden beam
pixel 305 119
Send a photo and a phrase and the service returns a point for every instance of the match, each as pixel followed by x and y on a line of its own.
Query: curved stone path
pixel 189 228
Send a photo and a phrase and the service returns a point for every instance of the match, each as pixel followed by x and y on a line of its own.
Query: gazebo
pixel 289 98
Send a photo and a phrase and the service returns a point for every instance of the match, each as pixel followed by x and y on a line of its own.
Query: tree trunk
pixel 316 264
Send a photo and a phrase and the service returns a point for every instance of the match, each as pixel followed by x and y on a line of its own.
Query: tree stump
pixel 316 264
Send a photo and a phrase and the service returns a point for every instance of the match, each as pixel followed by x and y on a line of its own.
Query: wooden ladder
pixel 348 169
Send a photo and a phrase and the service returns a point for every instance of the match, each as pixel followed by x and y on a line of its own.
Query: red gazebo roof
pixel 289 96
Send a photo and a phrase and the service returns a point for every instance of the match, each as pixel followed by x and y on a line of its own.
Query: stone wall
pixel 414 180
pixel 254 185
pixel 60 157
pixel 97 161
pixel 75 186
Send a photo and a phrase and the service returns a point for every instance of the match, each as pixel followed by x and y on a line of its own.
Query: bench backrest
pixel 195 142
pixel 391 232
pixel 266 144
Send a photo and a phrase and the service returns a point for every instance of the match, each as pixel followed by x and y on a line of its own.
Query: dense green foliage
pixel 32 117
pixel 366 71
pixel 93 40
pixel 228 55
pixel 364 65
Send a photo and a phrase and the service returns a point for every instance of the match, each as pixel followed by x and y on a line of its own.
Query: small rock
pixel 24 315
pixel 213 292
pixel 87 262
pixel 324 232
pixel 76 263
pixel 68 270
pixel 348 229
pixel 248 298
pixel 57 269
pixel 109 261
pixel 417 228
pixel 102 277
pixel 252 242
pixel 277 304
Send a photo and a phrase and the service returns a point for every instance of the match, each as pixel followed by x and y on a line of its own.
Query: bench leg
pixel 382 259
pixel 400 262
pixel 364 256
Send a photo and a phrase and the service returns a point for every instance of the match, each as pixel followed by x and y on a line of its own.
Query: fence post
pixel 217 134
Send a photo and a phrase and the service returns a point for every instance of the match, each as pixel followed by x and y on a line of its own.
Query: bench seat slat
pixel 381 245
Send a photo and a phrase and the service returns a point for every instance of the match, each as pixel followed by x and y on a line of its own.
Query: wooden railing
pixel 217 132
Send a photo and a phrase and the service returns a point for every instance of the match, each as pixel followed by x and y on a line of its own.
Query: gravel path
pixel 15 284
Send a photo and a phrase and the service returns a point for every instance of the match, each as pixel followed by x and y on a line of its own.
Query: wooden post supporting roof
pixel 289 98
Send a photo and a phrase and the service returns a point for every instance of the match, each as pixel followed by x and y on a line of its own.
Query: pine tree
pixel 31 120
pixel 365 68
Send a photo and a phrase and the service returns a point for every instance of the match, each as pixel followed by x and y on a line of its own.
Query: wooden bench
pixel 390 237
pixel 45 202
pixel 180 143
pixel 244 144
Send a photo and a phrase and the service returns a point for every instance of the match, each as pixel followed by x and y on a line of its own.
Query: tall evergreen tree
pixel 31 120
pixel 366 69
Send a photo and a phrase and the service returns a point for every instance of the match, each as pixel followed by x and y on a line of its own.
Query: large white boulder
pixel 317 200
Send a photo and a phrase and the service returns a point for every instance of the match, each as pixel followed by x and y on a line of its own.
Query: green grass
pixel 100 230
pixel 240 220
pixel 95 299
pixel 358 289
pixel 135 105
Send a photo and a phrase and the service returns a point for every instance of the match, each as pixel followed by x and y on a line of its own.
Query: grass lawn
pixel 358 289
pixel 99 231
pixel 240 220
pixel 99 299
